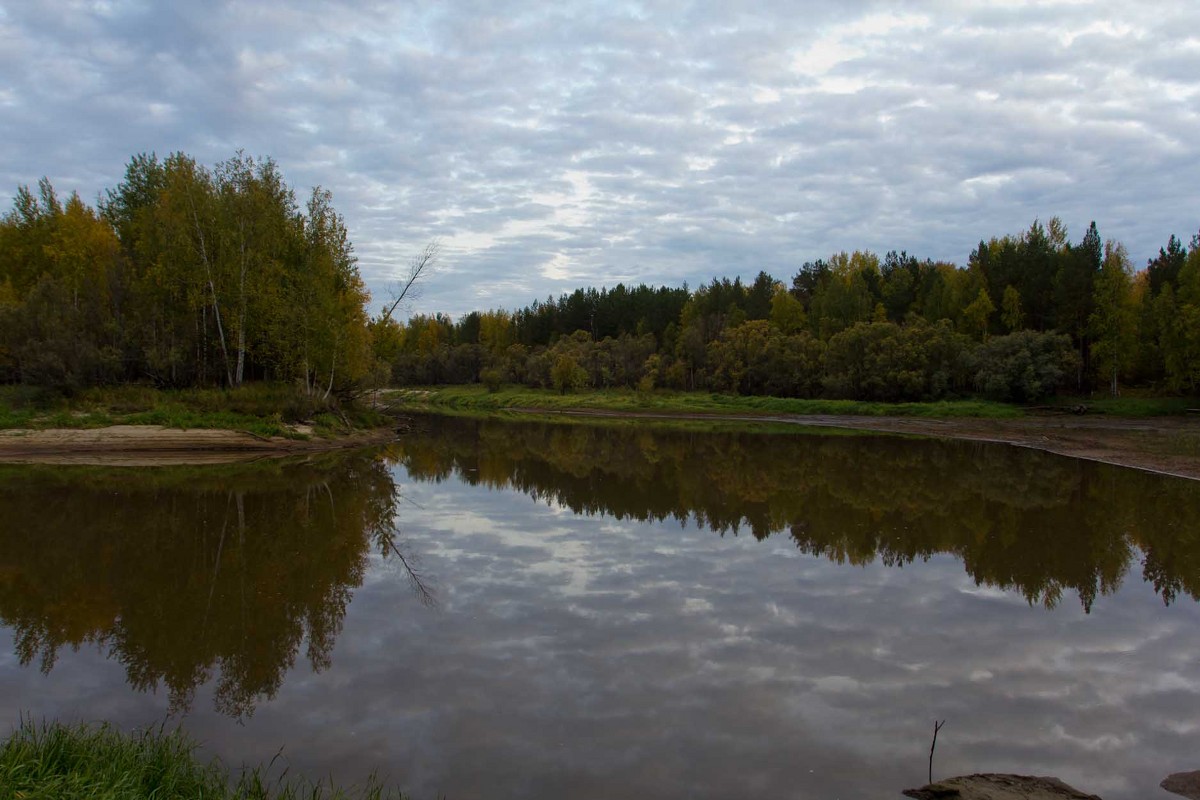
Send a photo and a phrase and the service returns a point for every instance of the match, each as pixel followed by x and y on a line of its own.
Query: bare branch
pixel 425 595
pixel 937 726
pixel 422 263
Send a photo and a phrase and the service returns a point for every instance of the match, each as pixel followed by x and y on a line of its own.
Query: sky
pixel 549 146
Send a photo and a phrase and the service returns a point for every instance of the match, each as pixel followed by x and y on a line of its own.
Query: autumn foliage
pixel 183 276
pixel 1029 316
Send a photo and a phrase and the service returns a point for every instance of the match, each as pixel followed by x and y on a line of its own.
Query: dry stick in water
pixel 937 726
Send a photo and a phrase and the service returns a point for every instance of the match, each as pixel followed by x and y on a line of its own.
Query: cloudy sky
pixel 554 145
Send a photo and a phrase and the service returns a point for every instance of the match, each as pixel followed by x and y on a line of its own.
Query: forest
pixel 186 276
pixel 1029 316
pixel 183 276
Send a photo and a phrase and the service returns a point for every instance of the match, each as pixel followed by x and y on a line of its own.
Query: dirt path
pixel 151 445
pixel 1166 445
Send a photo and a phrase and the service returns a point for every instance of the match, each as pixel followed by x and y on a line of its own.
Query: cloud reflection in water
pixel 599 654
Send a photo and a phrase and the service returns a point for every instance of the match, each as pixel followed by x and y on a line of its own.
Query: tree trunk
pixel 212 290
pixel 241 352
pixel 332 365
pixel 241 356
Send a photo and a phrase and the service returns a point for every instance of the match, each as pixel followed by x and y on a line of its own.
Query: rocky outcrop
pixel 1184 784
pixel 999 787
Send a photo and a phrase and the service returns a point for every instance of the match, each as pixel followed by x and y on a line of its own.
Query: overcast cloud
pixel 554 145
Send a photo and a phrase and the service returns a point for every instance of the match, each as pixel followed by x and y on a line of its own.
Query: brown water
pixel 501 610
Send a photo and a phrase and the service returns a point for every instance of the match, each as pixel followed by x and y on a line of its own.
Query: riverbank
pixel 135 426
pixel 82 761
pixel 1147 439
pixel 155 445
pixel 478 398
pixel 143 426
pixel 263 409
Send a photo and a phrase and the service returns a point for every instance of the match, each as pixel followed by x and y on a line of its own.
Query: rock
pixel 1184 784
pixel 998 787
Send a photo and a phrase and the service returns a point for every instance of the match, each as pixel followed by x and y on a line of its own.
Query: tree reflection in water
pixel 191 575
pixel 1019 520
pixel 183 574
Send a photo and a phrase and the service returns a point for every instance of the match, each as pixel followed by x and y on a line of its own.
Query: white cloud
pixel 585 143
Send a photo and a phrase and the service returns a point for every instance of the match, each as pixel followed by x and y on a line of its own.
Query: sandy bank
pixel 150 445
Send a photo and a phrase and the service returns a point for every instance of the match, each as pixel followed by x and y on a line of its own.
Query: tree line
pixel 1030 315
pixel 182 276
pixel 189 276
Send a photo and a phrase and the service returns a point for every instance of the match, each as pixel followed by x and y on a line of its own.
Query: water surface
pixel 522 610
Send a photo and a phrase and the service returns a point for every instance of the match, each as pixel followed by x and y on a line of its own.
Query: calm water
pixel 495 610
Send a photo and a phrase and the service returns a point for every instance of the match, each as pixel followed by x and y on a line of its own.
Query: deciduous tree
pixel 1113 321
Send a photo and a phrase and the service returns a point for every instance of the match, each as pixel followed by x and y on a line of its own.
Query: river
pixel 516 609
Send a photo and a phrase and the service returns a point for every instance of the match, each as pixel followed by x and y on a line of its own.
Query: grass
pixel 261 409
pixel 478 399
pixel 1132 405
pixel 272 409
pixel 81 762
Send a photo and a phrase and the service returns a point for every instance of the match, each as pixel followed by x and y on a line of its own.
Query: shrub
pixel 884 361
pixel 1023 367
pixel 567 374
pixel 492 378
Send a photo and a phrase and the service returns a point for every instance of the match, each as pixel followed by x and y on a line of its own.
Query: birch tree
pixel 1113 321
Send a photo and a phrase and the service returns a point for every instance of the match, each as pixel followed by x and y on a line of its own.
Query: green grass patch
pixel 1132 405
pixel 479 399
pixel 261 409
pixel 54 761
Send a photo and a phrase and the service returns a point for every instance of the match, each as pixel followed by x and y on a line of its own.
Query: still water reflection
pixel 1019 520
pixel 522 610
pixel 186 575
